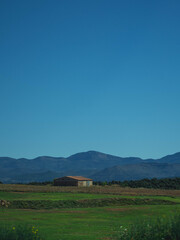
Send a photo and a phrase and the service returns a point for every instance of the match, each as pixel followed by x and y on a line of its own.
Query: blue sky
pixel 79 75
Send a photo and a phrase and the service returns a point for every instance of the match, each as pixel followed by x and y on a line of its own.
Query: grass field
pixel 84 223
pixel 72 196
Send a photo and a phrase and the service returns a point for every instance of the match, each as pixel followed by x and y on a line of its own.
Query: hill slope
pixel 138 171
pixel 95 164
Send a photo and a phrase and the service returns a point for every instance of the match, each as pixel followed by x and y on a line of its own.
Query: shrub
pixel 19 232
pixel 160 229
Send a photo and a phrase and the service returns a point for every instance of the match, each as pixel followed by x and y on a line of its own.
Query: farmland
pixel 95 189
pixel 81 217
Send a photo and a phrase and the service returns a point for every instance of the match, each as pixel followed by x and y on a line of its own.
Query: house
pixel 73 181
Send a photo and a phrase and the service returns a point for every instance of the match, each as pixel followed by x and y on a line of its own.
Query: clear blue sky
pixel 78 75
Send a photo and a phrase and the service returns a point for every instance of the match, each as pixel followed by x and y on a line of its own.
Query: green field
pixel 50 196
pixel 84 223
pixel 72 196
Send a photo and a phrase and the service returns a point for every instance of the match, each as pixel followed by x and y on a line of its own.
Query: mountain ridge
pixel 89 164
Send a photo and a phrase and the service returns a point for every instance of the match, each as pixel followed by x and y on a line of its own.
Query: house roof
pixel 80 178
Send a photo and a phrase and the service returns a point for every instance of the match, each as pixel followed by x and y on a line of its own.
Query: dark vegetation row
pixel 48 204
pixel 164 183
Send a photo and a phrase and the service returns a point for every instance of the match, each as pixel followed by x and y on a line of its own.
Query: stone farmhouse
pixel 73 181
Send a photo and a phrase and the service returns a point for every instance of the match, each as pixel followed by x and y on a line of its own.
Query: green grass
pixel 50 196
pixel 159 229
pixel 166 198
pixel 86 223
pixel 19 232
pixel 26 200
pixel 72 196
pixel 76 215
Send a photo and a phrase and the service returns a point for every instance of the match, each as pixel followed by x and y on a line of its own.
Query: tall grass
pixel 159 229
pixel 116 190
pixel 19 232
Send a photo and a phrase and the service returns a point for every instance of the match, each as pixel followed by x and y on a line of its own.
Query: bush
pixel 163 183
pixel 20 232
pixel 160 229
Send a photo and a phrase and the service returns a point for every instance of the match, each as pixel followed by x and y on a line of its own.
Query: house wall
pixel 81 183
pixel 89 183
pixel 70 182
pixel 85 183
pixel 65 183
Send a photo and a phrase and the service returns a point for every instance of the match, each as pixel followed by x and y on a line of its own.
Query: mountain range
pixel 96 165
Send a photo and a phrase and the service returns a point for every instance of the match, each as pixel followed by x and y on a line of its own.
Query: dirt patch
pixel 37 219
pixel 74 211
pixel 17 192
pixel 124 209
pixel 118 209
pixel 54 211
pixel 106 238
pixel 12 219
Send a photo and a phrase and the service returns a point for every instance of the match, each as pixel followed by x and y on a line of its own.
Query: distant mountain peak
pixel 91 164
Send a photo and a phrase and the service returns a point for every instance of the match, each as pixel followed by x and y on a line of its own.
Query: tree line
pixel 163 183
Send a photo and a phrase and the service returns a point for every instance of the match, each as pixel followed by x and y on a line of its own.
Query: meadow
pixel 119 208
